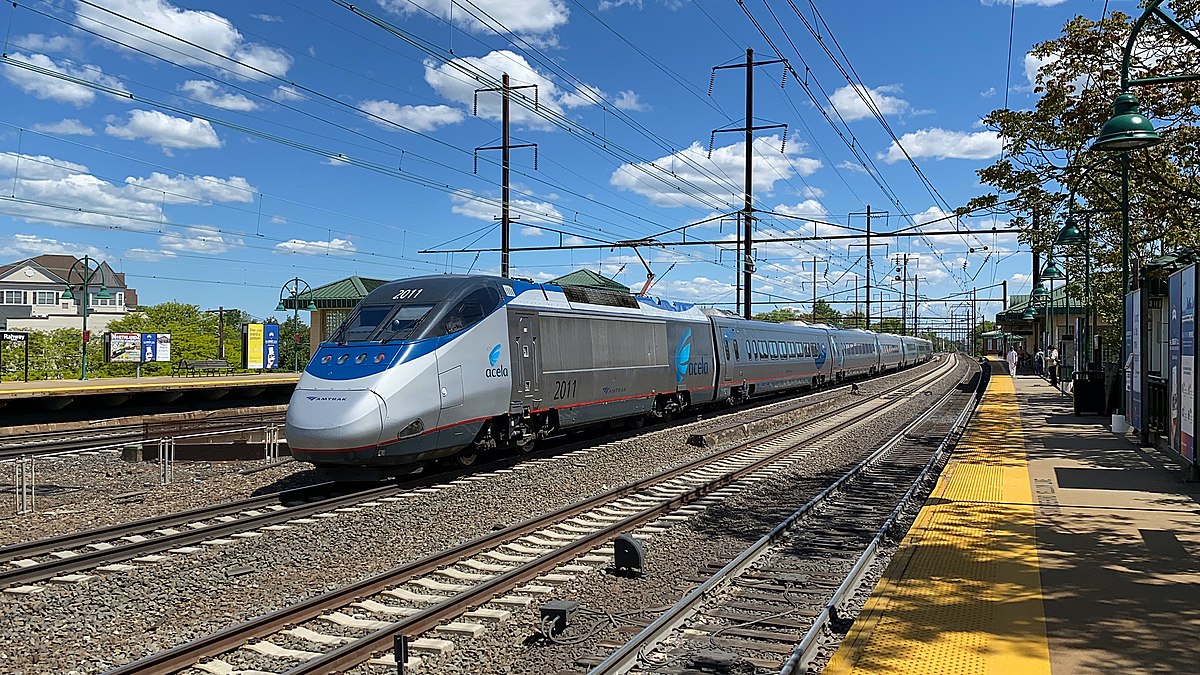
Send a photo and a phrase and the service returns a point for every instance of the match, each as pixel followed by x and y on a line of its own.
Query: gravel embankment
pixel 115 619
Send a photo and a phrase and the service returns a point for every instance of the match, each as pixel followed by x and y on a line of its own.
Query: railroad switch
pixel 629 556
pixel 556 614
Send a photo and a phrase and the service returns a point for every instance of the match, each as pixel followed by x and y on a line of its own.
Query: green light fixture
pixel 1051 272
pixel 1029 313
pixel 312 306
pixel 1070 234
pixel 67 294
pixel 1127 129
pixel 103 294
pixel 280 307
pixel 1040 295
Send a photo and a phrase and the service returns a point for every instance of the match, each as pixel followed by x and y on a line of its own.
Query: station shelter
pixel 334 302
pixel 1060 320
pixel 1160 353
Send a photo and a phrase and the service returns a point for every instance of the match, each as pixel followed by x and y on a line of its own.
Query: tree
pixel 854 319
pixel 824 313
pixel 779 315
pixel 293 343
pixel 1045 160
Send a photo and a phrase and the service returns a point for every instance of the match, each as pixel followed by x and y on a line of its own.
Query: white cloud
pixel 847 165
pixel 681 177
pixel 988 93
pixel 850 105
pixel 146 254
pixel 449 81
pixel 415 117
pixel 37 167
pixel 1022 279
pixel 287 93
pixel 942 144
pixel 36 42
pixel 809 208
pixel 210 93
pixel 207 244
pixel 698 289
pixel 20 246
pixel 517 16
pixel 268 18
pixel 628 100
pixel 208 30
pixel 530 231
pixel 51 88
pixel 68 127
pixel 191 189
pixel 331 247
pixel 486 208
pixel 166 131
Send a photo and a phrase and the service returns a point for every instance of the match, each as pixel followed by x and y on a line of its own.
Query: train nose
pixel 334 420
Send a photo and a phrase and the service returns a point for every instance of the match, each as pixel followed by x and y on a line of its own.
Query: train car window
pixel 468 311
pixel 726 349
pixel 762 349
pixel 736 354
pixel 403 323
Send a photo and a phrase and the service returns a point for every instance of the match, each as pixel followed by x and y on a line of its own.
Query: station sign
pixel 260 346
pixel 137 347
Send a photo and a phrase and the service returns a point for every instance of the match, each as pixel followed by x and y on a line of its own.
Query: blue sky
pixel 212 151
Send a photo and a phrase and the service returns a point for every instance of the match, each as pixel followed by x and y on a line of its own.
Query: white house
pixel 31 294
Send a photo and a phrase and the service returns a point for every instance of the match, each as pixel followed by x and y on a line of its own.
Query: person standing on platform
pixel 1039 362
pixel 1052 365
pixel 1012 361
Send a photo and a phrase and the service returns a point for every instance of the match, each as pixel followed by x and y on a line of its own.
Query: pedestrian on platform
pixel 1052 365
pixel 1012 361
pixel 1039 362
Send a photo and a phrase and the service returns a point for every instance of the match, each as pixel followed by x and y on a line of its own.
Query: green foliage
pixel 779 315
pixel 292 355
pixel 1045 156
pixel 194 335
pixel 824 314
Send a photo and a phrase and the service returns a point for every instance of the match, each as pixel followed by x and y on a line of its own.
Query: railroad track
pixel 105 548
pixel 772 606
pixel 111 437
pixel 456 592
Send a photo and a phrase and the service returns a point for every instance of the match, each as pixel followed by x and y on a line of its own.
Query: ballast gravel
pixel 116 618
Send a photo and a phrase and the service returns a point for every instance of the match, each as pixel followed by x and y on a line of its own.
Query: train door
pixel 526 362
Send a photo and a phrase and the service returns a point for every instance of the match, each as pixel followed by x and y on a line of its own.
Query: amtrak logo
pixel 326 398
pixel 683 352
pixel 494 357
pixel 821 356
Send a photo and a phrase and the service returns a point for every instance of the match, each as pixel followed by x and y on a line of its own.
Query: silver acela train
pixel 451 365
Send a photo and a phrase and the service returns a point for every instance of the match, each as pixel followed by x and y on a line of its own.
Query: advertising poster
pixel 162 353
pixel 254 346
pixel 1187 365
pixel 149 347
pixel 1174 294
pixel 1127 357
pixel 271 346
pixel 1135 404
pixel 124 347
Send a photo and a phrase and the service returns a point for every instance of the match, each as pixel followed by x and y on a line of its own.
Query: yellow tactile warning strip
pixel 963 594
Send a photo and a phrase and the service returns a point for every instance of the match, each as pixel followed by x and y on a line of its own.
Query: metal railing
pixel 1159 414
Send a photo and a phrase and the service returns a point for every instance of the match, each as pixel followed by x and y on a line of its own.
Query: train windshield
pixel 382 322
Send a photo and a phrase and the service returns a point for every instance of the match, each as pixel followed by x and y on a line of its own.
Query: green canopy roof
pixel 343 294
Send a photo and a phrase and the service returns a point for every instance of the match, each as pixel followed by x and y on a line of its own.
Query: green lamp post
pixel 296 288
pixel 86 270
pixel 1051 273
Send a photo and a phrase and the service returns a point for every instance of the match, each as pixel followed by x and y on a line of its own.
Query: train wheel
pixel 466 457
pixel 525 445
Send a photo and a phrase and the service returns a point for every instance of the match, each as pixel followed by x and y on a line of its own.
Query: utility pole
pixel 748 208
pixel 505 146
pixel 973 352
pixel 221 333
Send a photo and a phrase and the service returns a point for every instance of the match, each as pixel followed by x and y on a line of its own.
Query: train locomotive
pixel 449 366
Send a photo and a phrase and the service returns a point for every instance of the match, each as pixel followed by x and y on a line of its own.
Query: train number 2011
pixel 564 389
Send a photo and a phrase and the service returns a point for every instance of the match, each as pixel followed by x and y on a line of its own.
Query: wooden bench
pixel 194 367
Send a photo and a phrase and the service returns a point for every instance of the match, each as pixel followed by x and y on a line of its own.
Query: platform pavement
pixel 17 388
pixel 1050 545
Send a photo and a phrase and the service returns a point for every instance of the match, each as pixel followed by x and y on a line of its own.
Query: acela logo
pixel 683 352
pixel 493 359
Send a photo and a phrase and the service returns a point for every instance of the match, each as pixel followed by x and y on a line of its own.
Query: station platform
pixel 1049 545
pixel 48 400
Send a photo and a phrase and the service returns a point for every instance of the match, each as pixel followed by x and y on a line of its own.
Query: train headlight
pixel 415 427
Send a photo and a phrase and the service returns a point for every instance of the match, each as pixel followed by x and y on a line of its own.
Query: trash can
pixel 1089 394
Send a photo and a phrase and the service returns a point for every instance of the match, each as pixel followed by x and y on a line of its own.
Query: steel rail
pixel 133 549
pixel 77 539
pixel 802 655
pixel 185 655
pixel 626 656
